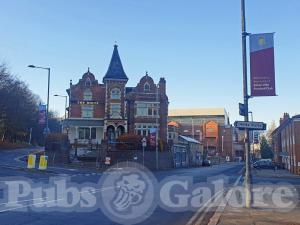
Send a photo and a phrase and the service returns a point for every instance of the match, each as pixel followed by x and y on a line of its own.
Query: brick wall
pixel 77 92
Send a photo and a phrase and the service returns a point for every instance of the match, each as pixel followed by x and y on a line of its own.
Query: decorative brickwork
pixel 105 111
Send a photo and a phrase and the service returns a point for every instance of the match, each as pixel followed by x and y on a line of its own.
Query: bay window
pixel 145 109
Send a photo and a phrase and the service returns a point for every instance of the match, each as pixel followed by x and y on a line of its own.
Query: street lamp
pixel 47 112
pixel 66 100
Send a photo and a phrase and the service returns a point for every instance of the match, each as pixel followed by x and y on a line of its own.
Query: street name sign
pixel 250 125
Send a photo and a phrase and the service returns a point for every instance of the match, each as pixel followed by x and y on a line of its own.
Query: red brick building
pixel 104 111
pixel 210 127
pixel 147 107
pixel 286 143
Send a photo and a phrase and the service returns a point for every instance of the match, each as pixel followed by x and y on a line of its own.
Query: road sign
pixel 256 137
pixel 144 142
pixel 250 125
pixel 107 160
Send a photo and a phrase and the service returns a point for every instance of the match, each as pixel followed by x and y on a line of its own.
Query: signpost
pixel 107 160
pixel 250 125
pixel 245 107
pixel 144 144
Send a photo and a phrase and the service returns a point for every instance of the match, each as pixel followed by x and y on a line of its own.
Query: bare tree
pixel 269 132
pixel 18 109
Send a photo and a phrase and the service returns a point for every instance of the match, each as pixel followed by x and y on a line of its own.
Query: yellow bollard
pixel 31 161
pixel 43 162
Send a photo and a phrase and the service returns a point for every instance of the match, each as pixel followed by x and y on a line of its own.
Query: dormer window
pixel 146 87
pixel 87 95
pixel 115 93
pixel 88 82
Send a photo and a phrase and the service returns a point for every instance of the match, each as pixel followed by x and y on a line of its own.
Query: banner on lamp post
pixel 262 68
pixel 42 114
pixel 152 136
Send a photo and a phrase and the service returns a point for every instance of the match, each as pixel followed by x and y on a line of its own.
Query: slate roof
pixel 188 139
pixel 115 69
pixel 129 89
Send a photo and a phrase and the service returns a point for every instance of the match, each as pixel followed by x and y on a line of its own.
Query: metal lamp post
pixel 246 115
pixel 156 121
pixel 47 112
pixel 66 100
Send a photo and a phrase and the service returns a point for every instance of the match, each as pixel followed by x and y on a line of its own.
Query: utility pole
pixel 246 115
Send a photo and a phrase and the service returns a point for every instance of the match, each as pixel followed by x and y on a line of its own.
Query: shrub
pixel 129 142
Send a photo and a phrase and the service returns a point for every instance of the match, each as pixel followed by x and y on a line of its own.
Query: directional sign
pixel 250 125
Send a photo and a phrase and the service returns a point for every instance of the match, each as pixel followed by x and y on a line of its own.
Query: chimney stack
pixel 285 117
pixel 162 85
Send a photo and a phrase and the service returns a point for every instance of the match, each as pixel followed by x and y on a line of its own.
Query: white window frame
pixel 87 111
pixel 146 109
pixel 115 114
pixel 87 95
pixel 143 129
pixel 115 93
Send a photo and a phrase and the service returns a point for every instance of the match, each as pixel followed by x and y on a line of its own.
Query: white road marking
pixel 191 221
pixel 56 200
pixel 216 217
pixel 198 222
pixel 210 204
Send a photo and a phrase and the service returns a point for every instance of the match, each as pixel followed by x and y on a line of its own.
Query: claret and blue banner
pixel 42 114
pixel 262 69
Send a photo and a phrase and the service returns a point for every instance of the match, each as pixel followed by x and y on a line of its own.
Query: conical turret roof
pixel 115 69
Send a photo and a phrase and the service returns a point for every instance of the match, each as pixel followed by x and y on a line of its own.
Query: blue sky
pixel 194 44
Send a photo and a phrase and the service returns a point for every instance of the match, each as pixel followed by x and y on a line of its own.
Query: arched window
pixel 115 93
pixel 146 87
pixel 88 82
pixel 87 95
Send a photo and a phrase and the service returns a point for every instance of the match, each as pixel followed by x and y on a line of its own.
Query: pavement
pixel 267 209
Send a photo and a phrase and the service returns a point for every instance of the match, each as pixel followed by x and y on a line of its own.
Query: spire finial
pixel 146 73
pixel 116 44
pixel 88 69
